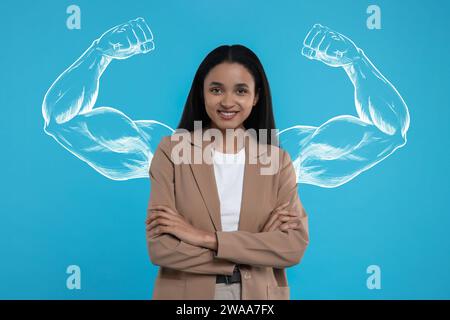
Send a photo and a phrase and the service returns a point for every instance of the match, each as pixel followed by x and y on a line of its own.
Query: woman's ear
pixel 255 101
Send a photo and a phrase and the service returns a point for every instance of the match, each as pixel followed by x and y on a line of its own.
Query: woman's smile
pixel 227 115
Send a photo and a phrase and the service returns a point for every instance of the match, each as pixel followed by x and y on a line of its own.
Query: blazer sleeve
pixel 165 249
pixel 277 249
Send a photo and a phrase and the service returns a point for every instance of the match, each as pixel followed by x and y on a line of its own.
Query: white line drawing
pixel 327 156
pixel 103 137
pixel 345 146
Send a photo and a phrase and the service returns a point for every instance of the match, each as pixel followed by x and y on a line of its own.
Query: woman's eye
pixel 218 90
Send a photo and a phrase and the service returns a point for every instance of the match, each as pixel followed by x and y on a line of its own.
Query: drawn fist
pixel 332 48
pixel 126 40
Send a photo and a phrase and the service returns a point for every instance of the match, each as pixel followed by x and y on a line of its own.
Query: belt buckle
pixel 227 279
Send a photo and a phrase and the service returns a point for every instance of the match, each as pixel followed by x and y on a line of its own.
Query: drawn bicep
pixel 108 141
pixel 339 150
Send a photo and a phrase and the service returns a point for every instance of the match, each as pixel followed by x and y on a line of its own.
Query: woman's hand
pixel 165 220
pixel 281 219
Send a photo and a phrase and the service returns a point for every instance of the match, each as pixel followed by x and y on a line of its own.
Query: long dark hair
pixel 261 116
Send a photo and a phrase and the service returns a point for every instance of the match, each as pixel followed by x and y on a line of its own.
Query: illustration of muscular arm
pixel 105 138
pixel 327 156
pixel 344 146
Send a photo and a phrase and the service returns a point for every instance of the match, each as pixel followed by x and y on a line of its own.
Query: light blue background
pixel 57 211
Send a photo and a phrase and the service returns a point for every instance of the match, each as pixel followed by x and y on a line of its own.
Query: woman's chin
pixel 227 124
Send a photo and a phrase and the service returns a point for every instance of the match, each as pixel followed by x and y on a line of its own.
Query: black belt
pixel 235 277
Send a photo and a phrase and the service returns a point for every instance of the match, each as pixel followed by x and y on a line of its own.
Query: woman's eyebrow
pixel 215 83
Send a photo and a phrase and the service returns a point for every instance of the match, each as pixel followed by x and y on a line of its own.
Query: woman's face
pixel 229 87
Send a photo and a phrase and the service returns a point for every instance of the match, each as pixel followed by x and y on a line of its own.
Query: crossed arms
pixel 278 249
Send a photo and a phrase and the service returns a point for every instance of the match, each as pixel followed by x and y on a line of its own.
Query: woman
pixel 222 229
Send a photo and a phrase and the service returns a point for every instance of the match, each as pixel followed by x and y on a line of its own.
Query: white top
pixel 229 174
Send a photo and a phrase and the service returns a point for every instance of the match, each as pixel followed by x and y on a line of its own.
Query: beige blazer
pixel 189 272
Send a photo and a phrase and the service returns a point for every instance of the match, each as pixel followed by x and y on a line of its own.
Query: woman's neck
pixel 221 144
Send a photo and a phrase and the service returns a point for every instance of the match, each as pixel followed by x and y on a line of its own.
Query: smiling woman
pixel 232 100
pixel 223 230
pixel 230 90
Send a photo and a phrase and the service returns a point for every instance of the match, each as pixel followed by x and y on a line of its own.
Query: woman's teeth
pixel 227 115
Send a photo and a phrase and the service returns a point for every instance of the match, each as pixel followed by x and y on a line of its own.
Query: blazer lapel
pixel 204 176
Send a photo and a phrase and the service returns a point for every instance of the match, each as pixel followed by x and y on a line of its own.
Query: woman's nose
pixel 228 100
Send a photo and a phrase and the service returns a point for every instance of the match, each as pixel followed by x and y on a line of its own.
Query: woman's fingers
pixel 281 207
pixel 278 225
pixel 162 224
pixel 161 211
pixel 274 225
pixel 282 217
pixel 156 213
pixel 159 230
pixel 274 217
pixel 275 221
pixel 292 213
pixel 159 221
pixel 161 207
pixel 289 225
pixel 290 221
pixel 283 226
pixel 270 222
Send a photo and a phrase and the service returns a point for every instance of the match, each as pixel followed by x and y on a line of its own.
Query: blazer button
pixel 247 275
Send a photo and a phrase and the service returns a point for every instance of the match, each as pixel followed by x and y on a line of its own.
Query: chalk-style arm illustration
pixel 327 156
pixel 105 138
pixel 344 146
